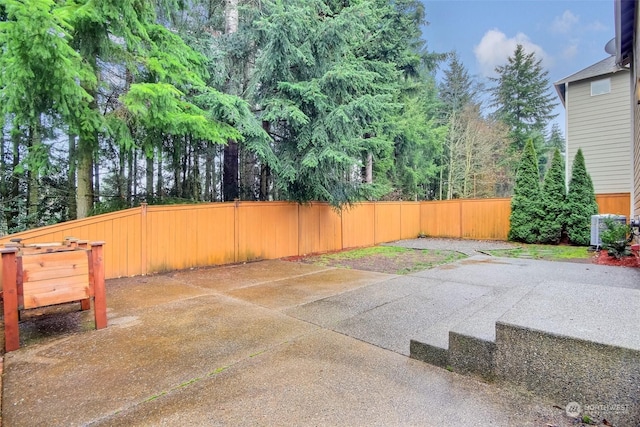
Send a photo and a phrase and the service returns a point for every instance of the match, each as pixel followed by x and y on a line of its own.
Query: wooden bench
pixel 39 275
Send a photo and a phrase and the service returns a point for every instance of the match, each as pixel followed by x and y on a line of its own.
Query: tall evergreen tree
pixel 522 99
pixel 556 139
pixel 417 134
pixel 328 92
pixel 456 96
pixel 39 75
pixel 553 201
pixel 456 90
pixel 581 203
pixel 524 221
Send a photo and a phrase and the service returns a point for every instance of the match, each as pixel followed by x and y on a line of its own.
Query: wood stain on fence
pixel 150 239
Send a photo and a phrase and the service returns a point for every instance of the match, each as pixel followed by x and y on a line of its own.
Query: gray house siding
pixel 636 187
pixel 601 126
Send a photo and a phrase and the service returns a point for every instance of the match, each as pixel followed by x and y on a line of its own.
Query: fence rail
pixel 151 239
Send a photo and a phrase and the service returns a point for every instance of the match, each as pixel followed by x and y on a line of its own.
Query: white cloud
pixel 597 26
pixel 570 51
pixel 564 24
pixel 494 49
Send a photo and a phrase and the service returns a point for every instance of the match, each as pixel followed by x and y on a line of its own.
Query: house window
pixel 600 87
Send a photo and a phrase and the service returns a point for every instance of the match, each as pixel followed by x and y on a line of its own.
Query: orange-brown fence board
pixel 215 235
pixel 267 230
pixel 387 221
pixel 159 238
pixel 409 220
pixel 614 203
pixel 201 234
pixel 121 229
pixel 320 229
pixel 358 226
pixel 485 219
pixel 441 218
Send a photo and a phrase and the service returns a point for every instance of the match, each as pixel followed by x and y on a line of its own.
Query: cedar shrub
pixel 553 202
pixel 525 204
pixel 581 203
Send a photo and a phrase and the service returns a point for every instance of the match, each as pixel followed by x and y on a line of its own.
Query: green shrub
pixel 581 203
pixel 615 238
pixel 553 202
pixel 524 221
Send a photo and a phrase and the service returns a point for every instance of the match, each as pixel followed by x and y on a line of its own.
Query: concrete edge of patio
pixel 564 341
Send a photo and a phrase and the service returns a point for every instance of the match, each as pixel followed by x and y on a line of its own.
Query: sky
pixel 567 35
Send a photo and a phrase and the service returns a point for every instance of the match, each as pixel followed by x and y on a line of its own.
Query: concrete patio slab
pixel 507 272
pixel 297 290
pixel 130 362
pixel 327 379
pixel 254 344
pixel 393 325
pixel 238 276
pixel 329 311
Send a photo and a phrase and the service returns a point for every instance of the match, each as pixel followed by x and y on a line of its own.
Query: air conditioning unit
pixel 598 225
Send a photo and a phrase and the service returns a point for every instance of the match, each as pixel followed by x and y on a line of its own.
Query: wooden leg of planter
pixel 100 298
pixel 85 304
pixel 10 294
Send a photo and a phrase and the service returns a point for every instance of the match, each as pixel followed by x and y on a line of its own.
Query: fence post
pixel 460 217
pixel 10 297
pixel 236 229
pixel 341 229
pixel 375 224
pixel 143 239
pixel 299 229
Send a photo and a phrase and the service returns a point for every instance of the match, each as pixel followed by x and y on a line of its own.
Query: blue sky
pixel 567 35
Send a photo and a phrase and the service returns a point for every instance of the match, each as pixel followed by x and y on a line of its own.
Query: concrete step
pixel 575 343
pixel 472 342
pixel 564 341
pixel 465 339
pixel 393 324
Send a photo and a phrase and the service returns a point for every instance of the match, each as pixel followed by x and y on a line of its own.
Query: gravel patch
pixel 467 247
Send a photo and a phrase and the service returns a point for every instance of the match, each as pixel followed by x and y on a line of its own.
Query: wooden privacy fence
pixel 152 239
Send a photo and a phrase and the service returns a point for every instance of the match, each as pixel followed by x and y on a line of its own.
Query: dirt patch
pixel 398 262
pixel 411 260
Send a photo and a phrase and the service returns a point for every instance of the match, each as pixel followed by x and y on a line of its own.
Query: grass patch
pixel 546 252
pixel 386 259
pixel 386 251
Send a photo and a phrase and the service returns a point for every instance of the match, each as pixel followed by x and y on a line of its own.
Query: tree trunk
pixel 34 141
pixel 87 142
pixel 177 182
pixel 71 179
pixel 130 177
pixel 96 179
pixel 4 185
pixel 209 172
pixel 14 195
pixel 230 182
pixel 149 177
pixel 265 171
pixel 368 175
pixel 248 176
pixel 230 174
pixel 84 198
pixel 231 16
pixel 122 176
pixel 196 187
pixel 160 181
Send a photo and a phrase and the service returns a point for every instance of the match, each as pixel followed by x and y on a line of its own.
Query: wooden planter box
pixel 47 274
